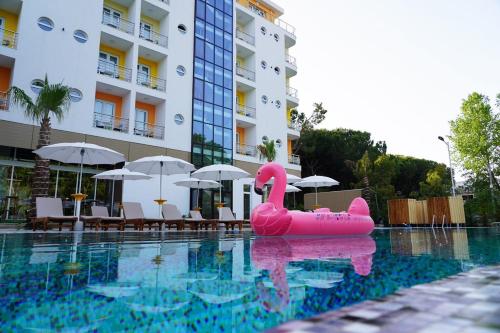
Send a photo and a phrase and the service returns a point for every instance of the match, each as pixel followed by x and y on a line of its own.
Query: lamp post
pixel 451 167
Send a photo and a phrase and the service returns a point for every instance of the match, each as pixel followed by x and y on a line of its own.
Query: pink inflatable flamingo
pixel 271 219
pixel 274 254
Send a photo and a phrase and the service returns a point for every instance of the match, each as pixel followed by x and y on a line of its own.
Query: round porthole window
pixel 75 95
pixel 263 64
pixel 263 30
pixel 181 70
pixel 278 104
pixel 265 139
pixel 277 70
pixel 278 143
pixel 36 86
pixel 179 119
pixel 45 23
pixel 80 36
pixel 182 28
pixel 276 37
pixel 264 99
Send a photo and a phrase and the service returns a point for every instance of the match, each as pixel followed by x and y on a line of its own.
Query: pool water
pixel 215 282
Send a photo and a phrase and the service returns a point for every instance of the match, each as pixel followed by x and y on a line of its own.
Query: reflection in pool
pixel 211 282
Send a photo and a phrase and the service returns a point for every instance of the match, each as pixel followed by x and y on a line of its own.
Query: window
pixel 264 99
pixel 181 70
pixel 279 143
pixel 277 104
pixel 36 86
pixel 179 119
pixel 277 70
pixel 145 31
pixel 263 30
pixel 111 17
pixel 143 76
pixel 104 114
pixel 182 28
pixel 75 95
pixel 265 139
pixel 45 23
pixel 108 64
pixel 141 122
pixel 276 37
pixel 80 36
pixel 263 64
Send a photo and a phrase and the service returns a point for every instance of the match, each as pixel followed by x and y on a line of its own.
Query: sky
pixel 398 69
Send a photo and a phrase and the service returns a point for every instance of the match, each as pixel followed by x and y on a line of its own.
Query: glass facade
pixel 212 132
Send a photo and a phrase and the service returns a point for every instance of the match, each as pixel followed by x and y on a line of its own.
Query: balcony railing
pixel 240 34
pixel 153 37
pixel 117 23
pixel 294 126
pixel 4 101
pixel 246 111
pixel 9 38
pixel 151 82
pixel 294 159
pixel 149 130
pixel 246 150
pixel 292 92
pixel 287 27
pixel 245 73
pixel 111 69
pixel 291 60
pixel 111 123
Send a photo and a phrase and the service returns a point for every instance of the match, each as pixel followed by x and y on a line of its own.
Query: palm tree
pixel 267 150
pixel 52 100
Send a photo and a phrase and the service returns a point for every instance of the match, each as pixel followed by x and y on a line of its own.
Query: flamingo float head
pixel 265 173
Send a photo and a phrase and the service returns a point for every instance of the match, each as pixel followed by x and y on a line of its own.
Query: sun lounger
pixel 134 215
pixel 196 216
pixel 100 218
pixel 171 216
pixel 226 216
pixel 51 210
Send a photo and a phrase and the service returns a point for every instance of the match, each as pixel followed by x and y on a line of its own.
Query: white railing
pixel 294 126
pixel 149 130
pixel 291 60
pixel 4 101
pixel 294 159
pixel 117 23
pixel 153 37
pixel 151 82
pixel 292 92
pixel 111 123
pixel 109 68
pixel 245 73
pixel 246 150
pixel 240 34
pixel 246 111
pixel 9 38
pixel 287 27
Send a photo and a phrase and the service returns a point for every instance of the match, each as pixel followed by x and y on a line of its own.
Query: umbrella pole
pixel 95 190
pixel 57 183
pixel 198 196
pixel 220 189
pixel 294 205
pixel 123 191
pixel 316 195
pixel 113 197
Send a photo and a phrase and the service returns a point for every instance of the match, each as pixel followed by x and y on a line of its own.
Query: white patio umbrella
pixel 197 184
pixel 292 189
pixel 290 179
pixel 120 174
pixel 220 172
pixel 160 165
pixel 81 153
pixel 317 181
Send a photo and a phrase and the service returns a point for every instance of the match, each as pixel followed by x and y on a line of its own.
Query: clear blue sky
pixel 396 68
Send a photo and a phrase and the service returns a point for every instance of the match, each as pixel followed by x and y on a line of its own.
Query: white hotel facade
pixel 201 80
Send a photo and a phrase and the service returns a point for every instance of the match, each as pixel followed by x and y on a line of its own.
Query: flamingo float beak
pixel 258 190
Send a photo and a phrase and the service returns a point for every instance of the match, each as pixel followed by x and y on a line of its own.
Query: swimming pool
pixel 210 282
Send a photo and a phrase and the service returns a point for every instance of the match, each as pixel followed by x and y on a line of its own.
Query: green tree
pixel 475 135
pixel 305 122
pixel 52 100
pixel 436 184
pixel 267 150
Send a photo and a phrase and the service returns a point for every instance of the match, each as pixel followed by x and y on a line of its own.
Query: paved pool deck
pixel 468 302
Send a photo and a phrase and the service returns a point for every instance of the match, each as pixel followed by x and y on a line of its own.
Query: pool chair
pixel 172 216
pixel 51 210
pixel 134 216
pixel 204 223
pixel 100 219
pixel 226 216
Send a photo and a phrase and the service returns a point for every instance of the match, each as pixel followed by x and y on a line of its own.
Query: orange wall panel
pixel 151 109
pixel 113 99
pixel 4 78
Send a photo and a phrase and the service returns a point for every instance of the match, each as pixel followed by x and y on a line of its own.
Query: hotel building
pixel 202 80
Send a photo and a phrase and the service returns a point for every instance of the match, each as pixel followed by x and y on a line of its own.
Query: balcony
pixel 154 37
pixel 291 60
pixel 113 70
pixel 245 111
pixel 110 122
pixel 117 22
pixel 246 150
pixel 245 73
pixel 241 35
pixel 294 159
pixel 9 38
pixel 151 82
pixel 285 26
pixel 292 92
pixel 294 126
pixel 4 101
pixel 149 130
